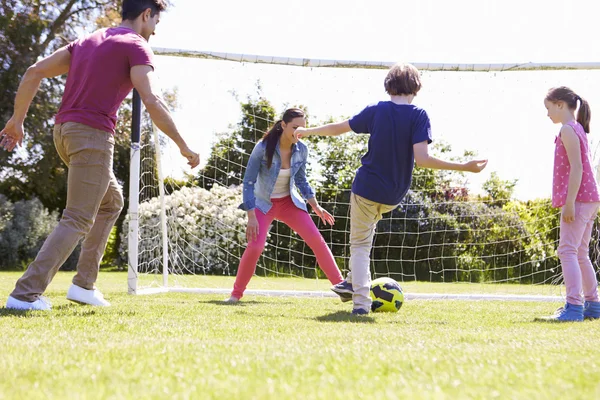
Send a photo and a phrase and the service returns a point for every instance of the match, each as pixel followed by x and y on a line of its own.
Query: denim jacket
pixel 259 180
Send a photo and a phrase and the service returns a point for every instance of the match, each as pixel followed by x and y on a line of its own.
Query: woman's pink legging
pixel 300 221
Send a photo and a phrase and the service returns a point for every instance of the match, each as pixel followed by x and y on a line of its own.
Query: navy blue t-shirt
pixel 386 171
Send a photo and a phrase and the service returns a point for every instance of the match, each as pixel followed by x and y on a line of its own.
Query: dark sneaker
pixel 344 290
pixel 359 311
pixel 591 310
pixel 343 287
pixel 345 297
pixel 568 313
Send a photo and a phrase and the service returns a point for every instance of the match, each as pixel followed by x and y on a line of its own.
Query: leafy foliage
pixel 231 153
pixel 31 29
pixel 23 227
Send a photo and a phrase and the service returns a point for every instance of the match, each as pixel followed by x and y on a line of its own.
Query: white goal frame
pixel 133 233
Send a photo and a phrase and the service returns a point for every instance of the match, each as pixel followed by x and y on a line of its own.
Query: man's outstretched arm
pixel 56 64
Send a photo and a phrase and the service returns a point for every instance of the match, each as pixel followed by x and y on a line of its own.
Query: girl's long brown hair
pixel 563 93
pixel 272 136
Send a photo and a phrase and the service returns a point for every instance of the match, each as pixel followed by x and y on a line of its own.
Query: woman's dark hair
pixel 133 8
pixel 272 136
pixel 563 93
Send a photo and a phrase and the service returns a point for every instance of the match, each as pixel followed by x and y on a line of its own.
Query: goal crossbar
pixel 425 66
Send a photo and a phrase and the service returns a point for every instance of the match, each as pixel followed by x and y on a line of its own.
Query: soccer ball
pixel 386 294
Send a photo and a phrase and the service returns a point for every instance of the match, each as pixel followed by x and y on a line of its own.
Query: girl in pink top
pixel 574 188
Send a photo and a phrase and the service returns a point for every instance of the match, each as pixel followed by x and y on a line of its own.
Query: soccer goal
pixel 455 235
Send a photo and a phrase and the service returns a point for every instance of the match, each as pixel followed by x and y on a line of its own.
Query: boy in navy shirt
pixel 399 135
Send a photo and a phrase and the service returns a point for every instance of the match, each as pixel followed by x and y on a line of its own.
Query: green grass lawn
pixel 189 346
pixel 281 283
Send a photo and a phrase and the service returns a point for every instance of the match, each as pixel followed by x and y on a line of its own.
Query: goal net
pixel 490 235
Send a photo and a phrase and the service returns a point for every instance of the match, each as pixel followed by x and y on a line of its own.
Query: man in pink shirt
pixel 103 68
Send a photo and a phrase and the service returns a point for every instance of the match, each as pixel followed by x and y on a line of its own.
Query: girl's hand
pixel 568 212
pixel 324 215
pixel 252 229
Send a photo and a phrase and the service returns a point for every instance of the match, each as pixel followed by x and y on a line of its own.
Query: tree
pixel 23 227
pixel 30 29
pixel 499 192
pixel 230 155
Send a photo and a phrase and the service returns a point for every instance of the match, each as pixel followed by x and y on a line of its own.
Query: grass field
pixel 260 283
pixel 188 346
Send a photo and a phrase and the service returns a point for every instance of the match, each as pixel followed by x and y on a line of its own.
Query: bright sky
pixel 388 30
pixel 499 115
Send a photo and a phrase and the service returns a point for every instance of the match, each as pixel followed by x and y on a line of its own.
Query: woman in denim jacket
pixel 274 174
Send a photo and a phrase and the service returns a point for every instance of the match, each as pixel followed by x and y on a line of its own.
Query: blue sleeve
pixel 421 128
pixel 250 177
pixel 361 122
pixel 302 184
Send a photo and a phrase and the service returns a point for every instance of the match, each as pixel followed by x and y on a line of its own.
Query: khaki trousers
pixel 364 215
pixel 94 202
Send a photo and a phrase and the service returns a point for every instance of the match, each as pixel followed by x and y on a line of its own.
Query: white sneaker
pixel 231 300
pixel 84 296
pixel 41 304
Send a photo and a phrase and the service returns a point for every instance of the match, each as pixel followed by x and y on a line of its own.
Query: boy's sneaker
pixel 345 297
pixel 344 290
pixel 41 304
pixel 591 310
pixel 92 297
pixel 359 311
pixel 568 313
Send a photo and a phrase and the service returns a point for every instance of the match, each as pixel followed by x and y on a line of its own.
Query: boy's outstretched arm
pixel 333 129
pixel 424 160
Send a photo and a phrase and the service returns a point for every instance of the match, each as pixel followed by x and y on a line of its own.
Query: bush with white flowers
pixel 206 230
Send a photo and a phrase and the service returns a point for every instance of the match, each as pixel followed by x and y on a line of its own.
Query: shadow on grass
pixel 540 321
pixel 10 312
pixel 71 309
pixel 417 322
pixel 240 303
pixel 345 316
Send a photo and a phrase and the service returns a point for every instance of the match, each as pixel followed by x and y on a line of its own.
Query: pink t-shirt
pixel 99 76
pixel 588 191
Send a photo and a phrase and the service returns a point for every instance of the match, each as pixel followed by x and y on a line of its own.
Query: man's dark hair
pixel 133 8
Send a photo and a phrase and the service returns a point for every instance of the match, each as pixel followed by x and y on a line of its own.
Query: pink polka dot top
pixel 588 191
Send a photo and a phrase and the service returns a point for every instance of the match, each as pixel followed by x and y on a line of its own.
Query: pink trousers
pixel 300 221
pixel 573 251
